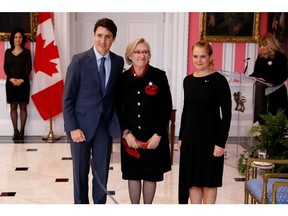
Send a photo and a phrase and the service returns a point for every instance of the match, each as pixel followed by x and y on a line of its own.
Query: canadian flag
pixel 47 84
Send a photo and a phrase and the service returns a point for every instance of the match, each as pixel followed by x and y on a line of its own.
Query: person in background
pixel 17 67
pixel 89 112
pixel 144 106
pixel 204 129
pixel 271 72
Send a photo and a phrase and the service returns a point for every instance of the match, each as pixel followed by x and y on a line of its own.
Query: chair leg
pixel 246 197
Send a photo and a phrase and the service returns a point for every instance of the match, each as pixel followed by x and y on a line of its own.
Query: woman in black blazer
pixel 144 108
pixel 270 67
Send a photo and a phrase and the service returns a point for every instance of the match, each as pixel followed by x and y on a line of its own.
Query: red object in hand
pixel 131 151
pixel 143 144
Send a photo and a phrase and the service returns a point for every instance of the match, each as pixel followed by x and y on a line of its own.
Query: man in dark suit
pixel 89 114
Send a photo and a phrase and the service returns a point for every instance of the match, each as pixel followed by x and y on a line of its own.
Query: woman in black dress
pixel 144 106
pixel 17 67
pixel 270 67
pixel 204 129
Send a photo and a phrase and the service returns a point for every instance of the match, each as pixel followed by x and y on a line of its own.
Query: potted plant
pixel 241 164
pixel 272 136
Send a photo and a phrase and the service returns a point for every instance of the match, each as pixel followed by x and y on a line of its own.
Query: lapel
pixel 113 75
pixel 93 68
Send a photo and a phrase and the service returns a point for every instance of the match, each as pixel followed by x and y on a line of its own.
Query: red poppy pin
pixel 151 89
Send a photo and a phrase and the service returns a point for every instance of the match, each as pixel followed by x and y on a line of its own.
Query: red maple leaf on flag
pixel 44 55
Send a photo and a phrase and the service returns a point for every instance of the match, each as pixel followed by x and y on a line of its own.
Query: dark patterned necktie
pixel 102 74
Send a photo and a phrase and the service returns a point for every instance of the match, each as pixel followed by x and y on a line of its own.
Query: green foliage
pixel 241 166
pixel 272 135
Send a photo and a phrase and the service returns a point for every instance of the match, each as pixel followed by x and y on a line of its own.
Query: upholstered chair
pixel 269 187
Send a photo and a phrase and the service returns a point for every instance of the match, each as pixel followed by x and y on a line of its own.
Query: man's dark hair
pixel 108 24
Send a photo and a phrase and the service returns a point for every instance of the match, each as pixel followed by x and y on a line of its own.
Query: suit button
pixel 139 127
pixel 138 103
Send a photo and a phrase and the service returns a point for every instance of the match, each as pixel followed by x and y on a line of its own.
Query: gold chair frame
pixel 251 173
pixel 275 188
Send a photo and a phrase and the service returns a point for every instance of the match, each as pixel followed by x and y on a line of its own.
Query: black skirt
pixel 18 94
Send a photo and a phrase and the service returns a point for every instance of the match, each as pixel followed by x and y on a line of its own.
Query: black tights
pixel 149 189
pixel 14 117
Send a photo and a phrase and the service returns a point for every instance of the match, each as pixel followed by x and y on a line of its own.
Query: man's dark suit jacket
pixel 83 102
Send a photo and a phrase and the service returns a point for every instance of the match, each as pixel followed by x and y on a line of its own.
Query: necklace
pixel 16 53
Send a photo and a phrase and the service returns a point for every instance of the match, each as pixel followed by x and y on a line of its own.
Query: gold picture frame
pixel 26 21
pixel 230 27
pixel 277 25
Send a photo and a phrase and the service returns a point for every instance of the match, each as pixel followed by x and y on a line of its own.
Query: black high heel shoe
pixel 21 136
pixel 15 136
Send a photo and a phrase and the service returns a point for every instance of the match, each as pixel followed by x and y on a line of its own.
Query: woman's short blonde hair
pixel 131 48
pixel 271 42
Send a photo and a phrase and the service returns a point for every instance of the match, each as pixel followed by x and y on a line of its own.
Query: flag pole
pixel 50 138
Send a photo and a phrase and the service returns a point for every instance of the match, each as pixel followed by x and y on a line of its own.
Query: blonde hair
pixel 271 42
pixel 131 48
pixel 208 47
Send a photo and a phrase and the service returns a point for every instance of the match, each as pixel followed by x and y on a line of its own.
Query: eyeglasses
pixel 138 52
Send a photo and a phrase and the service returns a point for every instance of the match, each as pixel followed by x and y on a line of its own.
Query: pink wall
pixel 194 36
pixel 2 53
pixel 218 47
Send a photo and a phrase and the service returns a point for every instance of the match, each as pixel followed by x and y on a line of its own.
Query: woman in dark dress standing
pixel 204 129
pixel 271 67
pixel 144 107
pixel 17 67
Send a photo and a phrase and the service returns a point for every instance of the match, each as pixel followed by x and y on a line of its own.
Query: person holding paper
pixel 270 67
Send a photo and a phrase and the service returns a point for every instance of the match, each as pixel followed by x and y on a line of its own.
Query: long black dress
pixel 144 107
pixel 274 71
pixel 205 122
pixel 18 67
